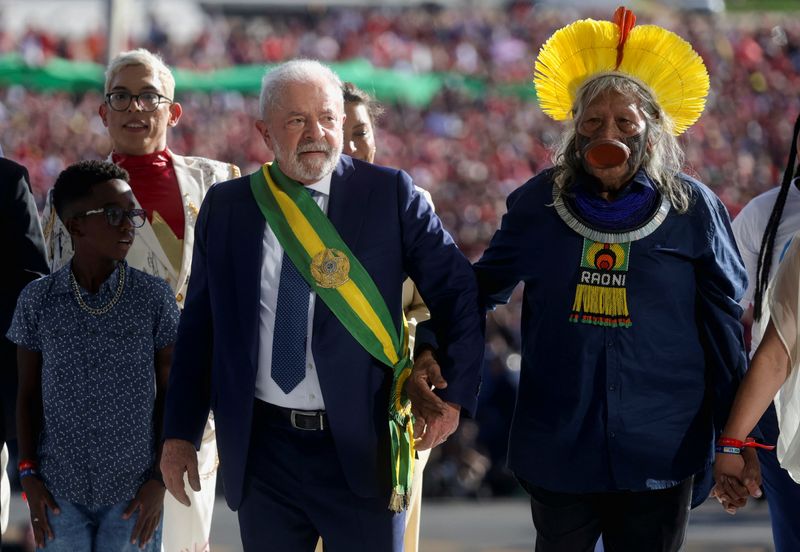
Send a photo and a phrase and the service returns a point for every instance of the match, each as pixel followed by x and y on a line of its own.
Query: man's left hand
pixel 439 428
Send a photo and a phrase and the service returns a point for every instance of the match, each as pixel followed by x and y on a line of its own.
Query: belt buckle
pixel 295 413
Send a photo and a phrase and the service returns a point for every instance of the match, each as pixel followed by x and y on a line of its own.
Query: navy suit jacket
pixel 25 260
pixel 394 233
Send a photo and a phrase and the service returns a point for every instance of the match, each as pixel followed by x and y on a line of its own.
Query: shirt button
pixel 312 396
pixel 612 387
pixel 612 434
pixel 179 297
pixel 610 344
pixel 310 366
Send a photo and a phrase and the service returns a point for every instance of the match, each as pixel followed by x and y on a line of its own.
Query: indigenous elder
pixel 293 332
pixel 94 344
pixel 138 110
pixel 764 230
pixel 631 342
pixel 361 115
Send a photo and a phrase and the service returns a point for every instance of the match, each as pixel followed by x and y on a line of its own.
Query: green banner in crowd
pixel 388 85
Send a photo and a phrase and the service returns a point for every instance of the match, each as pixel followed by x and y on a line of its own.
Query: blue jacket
pixel 620 408
pixel 394 233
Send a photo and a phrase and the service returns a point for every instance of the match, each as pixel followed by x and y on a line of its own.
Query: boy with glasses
pixel 138 110
pixel 94 345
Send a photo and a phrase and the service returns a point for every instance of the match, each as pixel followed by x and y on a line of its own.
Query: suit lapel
pixel 190 185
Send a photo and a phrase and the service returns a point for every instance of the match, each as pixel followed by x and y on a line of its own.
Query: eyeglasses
pixel 147 101
pixel 115 215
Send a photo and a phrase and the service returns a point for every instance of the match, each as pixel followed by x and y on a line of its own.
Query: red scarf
pixel 155 185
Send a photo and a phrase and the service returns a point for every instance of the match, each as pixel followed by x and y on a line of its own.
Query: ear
pixel 263 131
pixel 103 111
pixel 74 228
pixel 175 112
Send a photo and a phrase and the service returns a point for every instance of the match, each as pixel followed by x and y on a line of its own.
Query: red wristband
pixel 750 442
pixel 27 464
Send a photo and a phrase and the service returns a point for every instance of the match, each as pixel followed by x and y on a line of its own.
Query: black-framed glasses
pixel 115 215
pixel 147 101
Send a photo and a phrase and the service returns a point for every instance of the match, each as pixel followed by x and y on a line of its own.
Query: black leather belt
pixel 307 420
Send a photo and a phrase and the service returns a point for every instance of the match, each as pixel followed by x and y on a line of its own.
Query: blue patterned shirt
pixel 97 442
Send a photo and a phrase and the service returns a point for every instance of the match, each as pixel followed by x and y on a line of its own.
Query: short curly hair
pixel 76 182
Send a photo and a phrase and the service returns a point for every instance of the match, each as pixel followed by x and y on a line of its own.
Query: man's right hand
pixel 179 457
pixel 39 500
pixel 436 419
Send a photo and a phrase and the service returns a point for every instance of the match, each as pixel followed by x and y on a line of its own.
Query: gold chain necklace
pixel 108 306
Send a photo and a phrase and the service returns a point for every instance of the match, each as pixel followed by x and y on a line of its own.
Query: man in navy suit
pixel 308 455
pixel 23 246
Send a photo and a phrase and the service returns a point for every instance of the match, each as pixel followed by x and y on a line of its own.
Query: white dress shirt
pixel 307 395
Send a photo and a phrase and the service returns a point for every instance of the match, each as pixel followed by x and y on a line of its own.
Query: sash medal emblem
pixel 330 268
pixel 601 297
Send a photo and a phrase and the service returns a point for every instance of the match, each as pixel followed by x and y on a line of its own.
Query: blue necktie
pixel 291 327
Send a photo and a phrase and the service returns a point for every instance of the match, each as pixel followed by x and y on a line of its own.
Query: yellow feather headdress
pixel 651 55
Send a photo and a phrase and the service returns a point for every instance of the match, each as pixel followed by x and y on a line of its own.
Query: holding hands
pixel 436 419
pixel 737 477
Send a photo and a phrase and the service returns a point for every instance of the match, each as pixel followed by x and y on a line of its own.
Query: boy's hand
pixel 39 500
pixel 178 456
pixel 149 501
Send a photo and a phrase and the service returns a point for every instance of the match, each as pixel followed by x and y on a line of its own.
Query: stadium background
pixel 461 114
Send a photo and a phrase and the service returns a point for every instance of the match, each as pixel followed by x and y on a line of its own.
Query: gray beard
pixel 292 166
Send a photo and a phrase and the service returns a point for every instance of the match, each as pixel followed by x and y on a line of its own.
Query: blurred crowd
pixel 469 152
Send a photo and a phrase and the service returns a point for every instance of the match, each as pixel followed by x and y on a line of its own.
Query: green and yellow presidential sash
pixel 339 279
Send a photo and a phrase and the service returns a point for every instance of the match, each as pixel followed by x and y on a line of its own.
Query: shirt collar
pixel 62 282
pixel 640 179
pixel 323 186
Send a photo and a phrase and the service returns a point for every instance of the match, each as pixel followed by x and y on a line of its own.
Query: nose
pixel 314 131
pixel 134 105
pixel 349 148
pixel 126 225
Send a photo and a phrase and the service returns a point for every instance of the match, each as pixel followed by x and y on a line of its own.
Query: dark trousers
pixel 652 521
pixel 295 491
pixel 782 492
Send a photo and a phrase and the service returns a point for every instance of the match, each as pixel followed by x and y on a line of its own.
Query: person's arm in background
pixel 22 229
pixel 773 362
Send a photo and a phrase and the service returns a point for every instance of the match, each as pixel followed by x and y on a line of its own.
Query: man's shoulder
pixel 145 283
pixel 537 190
pixel 362 169
pixel 11 169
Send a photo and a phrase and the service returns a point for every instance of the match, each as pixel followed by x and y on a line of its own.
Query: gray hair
pixel 298 70
pixel 145 58
pixel 662 162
